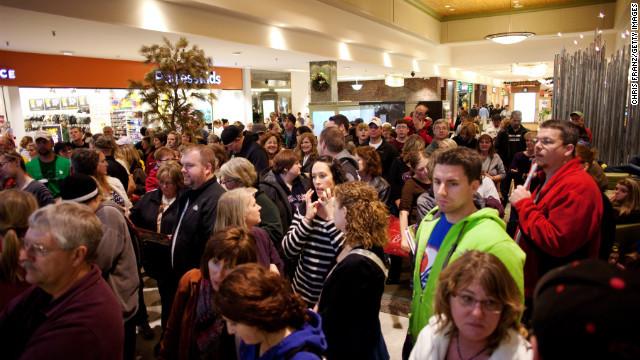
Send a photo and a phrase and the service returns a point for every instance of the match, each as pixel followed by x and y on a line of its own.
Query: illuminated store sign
pixel 7 74
pixel 213 79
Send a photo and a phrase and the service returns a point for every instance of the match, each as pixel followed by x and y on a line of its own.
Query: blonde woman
pixel 131 157
pixel 239 207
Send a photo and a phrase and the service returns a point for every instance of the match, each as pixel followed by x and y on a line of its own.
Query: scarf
pixel 207 324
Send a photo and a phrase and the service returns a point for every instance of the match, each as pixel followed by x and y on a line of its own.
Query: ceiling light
pixel 452 9
pixel 628 32
pixel 559 33
pixel 532 71
pixel 447 6
pixel 282 25
pixel 518 6
pixel 348 41
pixel 356 86
pixel 67 52
pixel 236 53
pixel 623 36
pixel 581 36
pixel 509 37
pixel 601 15
pixel 347 68
pixel 575 42
pixel 394 80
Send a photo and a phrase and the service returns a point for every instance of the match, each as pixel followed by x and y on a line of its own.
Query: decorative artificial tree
pixel 168 89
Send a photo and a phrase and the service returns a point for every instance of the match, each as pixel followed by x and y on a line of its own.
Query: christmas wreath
pixel 319 82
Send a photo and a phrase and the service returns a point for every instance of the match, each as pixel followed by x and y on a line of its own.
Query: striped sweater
pixel 318 246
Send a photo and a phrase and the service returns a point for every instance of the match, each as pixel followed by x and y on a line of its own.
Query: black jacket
pixel 118 171
pixel 144 213
pixel 274 191
pixel 253 152
pixel 387 153
pixel 509 143
pixel 196 225
pixel 270 219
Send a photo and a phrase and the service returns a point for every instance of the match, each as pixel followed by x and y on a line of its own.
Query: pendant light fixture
pixel 356 86
pixel 510 37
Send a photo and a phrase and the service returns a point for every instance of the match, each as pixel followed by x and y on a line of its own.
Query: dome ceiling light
pixel 510 37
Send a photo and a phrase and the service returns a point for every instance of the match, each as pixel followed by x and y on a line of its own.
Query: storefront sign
pixel 59 71
pixel 7 74
pixel 52 104
pixel 36 104
pixel 211 79
pixel 69 103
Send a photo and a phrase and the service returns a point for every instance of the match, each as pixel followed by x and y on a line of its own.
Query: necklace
pixel 460 354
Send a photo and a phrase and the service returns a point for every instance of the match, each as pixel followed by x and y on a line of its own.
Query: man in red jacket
pixel 560 222
pixel 420 123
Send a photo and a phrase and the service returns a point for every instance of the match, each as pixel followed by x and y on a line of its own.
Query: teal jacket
pixel 483 230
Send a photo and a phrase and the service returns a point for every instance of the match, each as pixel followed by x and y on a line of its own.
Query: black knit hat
pixel 78 188
pixel 587 310
pixel 229 134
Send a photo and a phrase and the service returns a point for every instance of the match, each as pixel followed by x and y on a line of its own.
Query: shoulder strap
pixel 371 256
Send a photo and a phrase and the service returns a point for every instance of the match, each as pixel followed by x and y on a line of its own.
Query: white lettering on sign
pixel 211 79
pixel 7 74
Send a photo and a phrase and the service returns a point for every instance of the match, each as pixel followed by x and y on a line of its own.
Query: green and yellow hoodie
pixel 483 230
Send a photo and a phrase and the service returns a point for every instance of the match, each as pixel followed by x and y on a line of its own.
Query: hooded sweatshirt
pixel 483 230
pixel 302 344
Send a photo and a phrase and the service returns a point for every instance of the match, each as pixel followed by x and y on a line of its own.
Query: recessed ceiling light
pixel 581 36
pixel 236 53
pixel 390 52
pixel 601 15
pixel 348 41
pixel 447 6
pixel 575 42
pixel 347 68
pixel 67 52
pixel 282 25
pixel 559 33
pixel 623 36
pixel 452 9
pixel 517 6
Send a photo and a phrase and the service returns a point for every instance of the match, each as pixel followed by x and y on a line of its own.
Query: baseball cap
pixel 376 121
pixel 43 135
pixel 579 113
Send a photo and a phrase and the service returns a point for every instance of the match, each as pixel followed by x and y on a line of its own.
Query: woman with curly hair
pixel 271 323
pixel 307 148
pixel 467 136
pixel 350 300
pixel 313 238
pixel 477 313
pixel 272 142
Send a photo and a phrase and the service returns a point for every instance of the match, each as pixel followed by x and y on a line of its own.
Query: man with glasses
pixel 421 123
pixel 402 133
pixel 440 132
pixel 560 221
pixel 70 313
pixel 453 227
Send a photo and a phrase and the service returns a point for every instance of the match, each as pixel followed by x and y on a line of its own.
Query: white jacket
pixel 432 345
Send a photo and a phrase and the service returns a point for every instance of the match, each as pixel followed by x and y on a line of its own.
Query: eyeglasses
pixel 225 182
pixel 167 183
pixel 544 141
pixel 36 249
pixel 486 305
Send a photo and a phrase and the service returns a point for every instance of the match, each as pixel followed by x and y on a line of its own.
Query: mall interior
pixel 70 61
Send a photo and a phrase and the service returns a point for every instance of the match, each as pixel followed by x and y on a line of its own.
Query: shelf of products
pixel 127 123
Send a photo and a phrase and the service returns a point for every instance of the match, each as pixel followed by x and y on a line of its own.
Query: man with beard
pixel 48 166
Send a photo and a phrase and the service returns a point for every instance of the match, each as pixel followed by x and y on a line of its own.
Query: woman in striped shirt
pixel 313 238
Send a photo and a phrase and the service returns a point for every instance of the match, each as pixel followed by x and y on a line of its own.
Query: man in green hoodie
pixel 453 227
